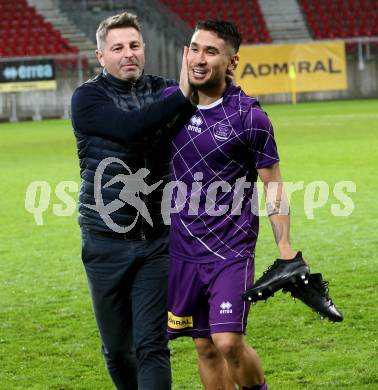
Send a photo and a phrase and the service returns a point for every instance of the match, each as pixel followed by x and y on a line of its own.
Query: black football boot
pixel 276 276
pixel 315 295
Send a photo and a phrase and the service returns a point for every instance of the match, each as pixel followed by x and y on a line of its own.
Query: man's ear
pixel 230 73
pixel 100 57
pixel 234 62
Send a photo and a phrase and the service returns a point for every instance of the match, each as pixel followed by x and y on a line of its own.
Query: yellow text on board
pixel 28 86
pixel 283 68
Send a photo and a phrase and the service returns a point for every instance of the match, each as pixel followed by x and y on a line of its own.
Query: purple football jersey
pixel 215 158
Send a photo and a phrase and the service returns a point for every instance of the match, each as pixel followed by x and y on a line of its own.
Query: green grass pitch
pixel 48 337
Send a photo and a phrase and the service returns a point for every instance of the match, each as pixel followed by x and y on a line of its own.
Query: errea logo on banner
pixel 27 75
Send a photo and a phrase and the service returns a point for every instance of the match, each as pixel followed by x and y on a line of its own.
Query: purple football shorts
pixel 206 298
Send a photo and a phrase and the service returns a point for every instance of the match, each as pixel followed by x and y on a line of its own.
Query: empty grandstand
pixel 26 33
pixel 63 32
pixel 246 14
pixel 341 18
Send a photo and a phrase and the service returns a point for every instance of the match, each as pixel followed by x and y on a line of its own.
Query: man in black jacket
pixel 124 163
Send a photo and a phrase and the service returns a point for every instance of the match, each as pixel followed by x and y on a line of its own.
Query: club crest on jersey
pixel 196 122
pixel 222 132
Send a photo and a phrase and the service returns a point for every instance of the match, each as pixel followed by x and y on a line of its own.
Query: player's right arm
pixel 266 163
pixel 278 209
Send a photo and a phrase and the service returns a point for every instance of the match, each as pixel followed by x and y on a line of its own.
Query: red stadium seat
pixel 24 32
pixel 242 12
pixel 340 18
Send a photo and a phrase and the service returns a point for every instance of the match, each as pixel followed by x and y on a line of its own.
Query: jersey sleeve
pixel 260 136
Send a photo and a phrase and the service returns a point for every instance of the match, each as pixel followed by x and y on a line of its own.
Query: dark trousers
pixel 128 283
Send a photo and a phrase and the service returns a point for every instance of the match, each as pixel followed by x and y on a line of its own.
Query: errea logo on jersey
pixel 196 122
pixel 225 308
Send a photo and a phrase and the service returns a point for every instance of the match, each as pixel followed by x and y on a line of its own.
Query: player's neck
pixel 209 95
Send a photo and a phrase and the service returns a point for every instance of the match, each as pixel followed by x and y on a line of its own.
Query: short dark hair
pixel 224 29
pixel 124 20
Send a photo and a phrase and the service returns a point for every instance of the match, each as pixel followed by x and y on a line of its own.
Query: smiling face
pixel 122 53
pixel 209 58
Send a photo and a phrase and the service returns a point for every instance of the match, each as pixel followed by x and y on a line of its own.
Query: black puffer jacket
pixel 123 120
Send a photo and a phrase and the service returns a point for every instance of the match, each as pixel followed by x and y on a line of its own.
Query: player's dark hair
pixel 224 29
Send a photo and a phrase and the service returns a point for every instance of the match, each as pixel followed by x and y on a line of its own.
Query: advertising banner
pixel 306 67
pixel 16 76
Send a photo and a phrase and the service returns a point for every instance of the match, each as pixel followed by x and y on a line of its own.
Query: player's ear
pixel 234 62
pixel 230 73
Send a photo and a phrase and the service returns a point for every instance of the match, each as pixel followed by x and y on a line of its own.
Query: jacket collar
pixel 120 84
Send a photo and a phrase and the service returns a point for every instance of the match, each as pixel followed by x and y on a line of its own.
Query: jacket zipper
pixel 144 199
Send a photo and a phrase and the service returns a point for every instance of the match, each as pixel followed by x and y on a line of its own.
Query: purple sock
pixel 256 387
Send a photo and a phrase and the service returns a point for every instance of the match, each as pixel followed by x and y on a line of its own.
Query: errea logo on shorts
pixel 196 122
pixel 225 308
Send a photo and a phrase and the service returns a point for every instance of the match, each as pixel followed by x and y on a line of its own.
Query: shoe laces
pixel 324 288
pixel 271 267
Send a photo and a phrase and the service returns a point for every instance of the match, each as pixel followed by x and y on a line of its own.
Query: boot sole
pixel 301 273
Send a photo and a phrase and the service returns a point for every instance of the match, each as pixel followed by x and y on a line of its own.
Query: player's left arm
pixel 278 208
